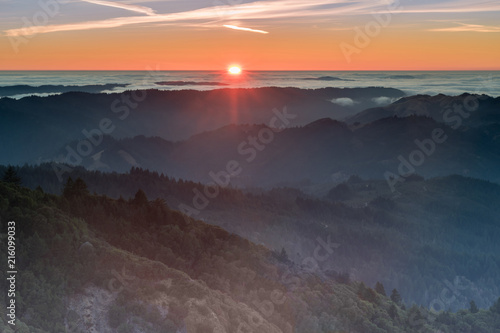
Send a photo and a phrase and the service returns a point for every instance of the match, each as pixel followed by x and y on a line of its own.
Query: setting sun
pixel 235 70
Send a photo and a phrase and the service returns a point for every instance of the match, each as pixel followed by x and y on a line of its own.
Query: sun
pixel 234 70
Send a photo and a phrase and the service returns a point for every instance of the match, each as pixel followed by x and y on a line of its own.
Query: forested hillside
pixel 90 262
pixel 374 238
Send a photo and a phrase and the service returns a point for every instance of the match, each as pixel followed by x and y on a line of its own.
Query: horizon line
pixel 249 70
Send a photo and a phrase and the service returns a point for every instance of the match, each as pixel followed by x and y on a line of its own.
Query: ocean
pixel 411 82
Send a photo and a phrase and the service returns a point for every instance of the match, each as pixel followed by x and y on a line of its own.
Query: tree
pixel 76 188
pixel 495 308
pixel 361 289
pixel 366 293
pixel 473 307
pixel 396 297
pixel 379 288
pixel 140 198
pixel 283 256
pixel 80 187
pixel 10 176
pixel 415 318
pixel 444 317
pixel 68 188
pixel 393 312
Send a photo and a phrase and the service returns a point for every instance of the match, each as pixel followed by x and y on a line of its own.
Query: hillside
pixel 164 272
pixel 475 110
pixel 415 239
pixel 310 153
pixel 54 121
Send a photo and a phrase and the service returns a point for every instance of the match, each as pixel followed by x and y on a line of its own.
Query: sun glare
pixel 235 70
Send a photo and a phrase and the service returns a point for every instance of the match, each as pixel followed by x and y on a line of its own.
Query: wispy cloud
pixel 245 29
pixel 133 8
pixel 274 9
pixel 469 28
pixel 277 10
pixel 113 23
pixel 458 6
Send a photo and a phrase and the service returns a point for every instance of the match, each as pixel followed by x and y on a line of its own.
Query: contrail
pixel 133 8
pixel 245 29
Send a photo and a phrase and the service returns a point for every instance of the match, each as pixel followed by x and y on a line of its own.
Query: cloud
pixel 343 101
pixel 112 23
pixel 469 28
pixel 133 8
pixel 277 10
pixel 456 6
pixel 383 100
pixel 245 29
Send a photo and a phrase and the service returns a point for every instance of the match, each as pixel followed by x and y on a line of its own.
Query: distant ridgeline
pixel 434 136
pixel 55 121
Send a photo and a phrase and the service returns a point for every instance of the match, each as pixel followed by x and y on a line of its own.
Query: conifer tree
pixel 379 288
pixel 283 256
pixel 393 312
pixel 396 297
pixel 496 307
pixel 140 198
pixel 473 307
pixel 10 176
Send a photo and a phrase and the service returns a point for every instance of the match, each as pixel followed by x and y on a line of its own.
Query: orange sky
pixel 412 41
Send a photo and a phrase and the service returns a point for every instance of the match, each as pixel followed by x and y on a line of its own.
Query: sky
pixel 255 35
